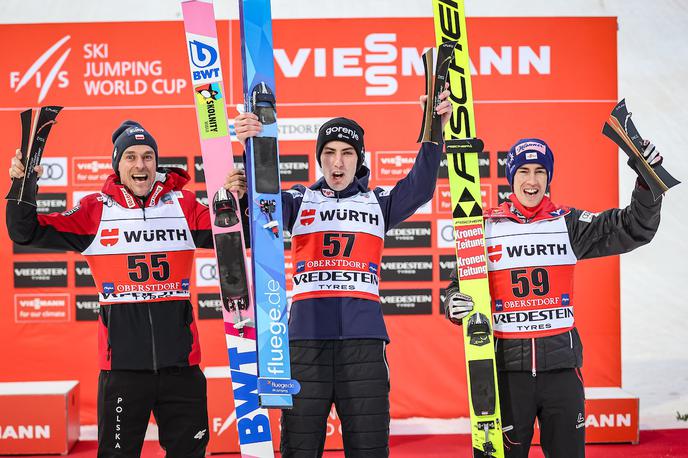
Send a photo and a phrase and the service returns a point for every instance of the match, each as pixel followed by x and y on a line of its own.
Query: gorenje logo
pixel 344 132
pixel 34 71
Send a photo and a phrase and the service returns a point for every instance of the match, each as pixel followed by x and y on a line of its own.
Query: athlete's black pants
pixel 352 374
pixel 557 399
pixel 177 398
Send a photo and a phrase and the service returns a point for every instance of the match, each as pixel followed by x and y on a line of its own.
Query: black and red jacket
pixel 151 331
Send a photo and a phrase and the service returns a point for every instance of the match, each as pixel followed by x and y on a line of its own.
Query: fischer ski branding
pixel 265 207
pixel 238 312
pixel 464 182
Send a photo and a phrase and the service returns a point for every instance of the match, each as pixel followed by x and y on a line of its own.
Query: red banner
pixel 553 78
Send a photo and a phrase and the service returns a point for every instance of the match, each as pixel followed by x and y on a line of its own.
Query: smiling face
pixel 137 169
pixel 530 184
pixel 338 161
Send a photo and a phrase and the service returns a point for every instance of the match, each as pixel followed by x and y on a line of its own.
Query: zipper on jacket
pixel 155 357
pixel 570 339
pixel 532 357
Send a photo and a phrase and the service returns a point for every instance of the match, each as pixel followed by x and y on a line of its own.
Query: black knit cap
pixel 344 130
pixel 130 133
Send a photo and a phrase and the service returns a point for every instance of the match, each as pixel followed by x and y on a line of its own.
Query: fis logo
pixel 109 237
pixel 18 81
pixel 307 217
pixel 205 65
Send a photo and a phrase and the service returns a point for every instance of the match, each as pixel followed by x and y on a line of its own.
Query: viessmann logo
pixel 24 432
pixel 38 71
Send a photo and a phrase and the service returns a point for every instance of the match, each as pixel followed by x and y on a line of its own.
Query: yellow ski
pixel 471 261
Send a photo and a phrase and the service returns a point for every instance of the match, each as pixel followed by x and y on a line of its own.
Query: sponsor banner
pixel 209 306
pixel 54 172
pixel 202 197
pixel 294 167
pixel 407 268
pixel 91 170
pixel 534 320
pixel 87 307
pixel 299 128
pixel 443 199
pixel 206 272
pixel 445 233
pixel 483 164
pixel 503 193
pixel 393 166
pixel 443 296
pixel 406 301
pixel 409 235
pixel 78 195
pixel 198 172
pixel 470 249
pixel 204 59
pixel 40 274
pixel 501 164
pixel 45 203
pixel 210 105
pixel 82 275
pixel 41 308
pixel 51 202
pixel 486 195
pixel 447 266
pixel 180 162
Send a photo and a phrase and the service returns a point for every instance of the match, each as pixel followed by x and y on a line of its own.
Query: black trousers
pixel 352 374
pixel 557 399
pixel 177 398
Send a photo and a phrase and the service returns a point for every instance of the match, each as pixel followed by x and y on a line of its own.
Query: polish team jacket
pixel 531 263
pixel 141 258
pixel 337 241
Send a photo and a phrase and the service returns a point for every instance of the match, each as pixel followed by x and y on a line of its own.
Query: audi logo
pixel 208 272
pixel 52 171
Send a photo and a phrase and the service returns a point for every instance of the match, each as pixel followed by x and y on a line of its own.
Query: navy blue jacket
pixel 354 318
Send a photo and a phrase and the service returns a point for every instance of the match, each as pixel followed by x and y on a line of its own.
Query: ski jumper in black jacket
pixel 140 252
pixel 532 253
pixel 336 328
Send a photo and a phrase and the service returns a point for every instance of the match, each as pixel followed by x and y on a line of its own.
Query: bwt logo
pixel 203 56
pixel 18 81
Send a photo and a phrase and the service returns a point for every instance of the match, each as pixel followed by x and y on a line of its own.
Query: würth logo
pixel 494 253
pixel 307 217
pixel 109 237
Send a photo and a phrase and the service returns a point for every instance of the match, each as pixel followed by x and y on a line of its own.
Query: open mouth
pixel 140 177
pixel 337 175
pixel 531 192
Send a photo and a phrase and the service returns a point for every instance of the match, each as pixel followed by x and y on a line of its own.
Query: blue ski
pixel 265 205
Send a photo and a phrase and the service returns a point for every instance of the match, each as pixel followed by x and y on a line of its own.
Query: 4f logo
pixel 205 63
pixel 36 71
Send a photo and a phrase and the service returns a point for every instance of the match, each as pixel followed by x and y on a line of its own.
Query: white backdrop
pixel 653 69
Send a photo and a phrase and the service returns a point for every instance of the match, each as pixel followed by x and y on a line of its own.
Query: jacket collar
pixel 360 184
pixel 166 180
pixel 514 210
